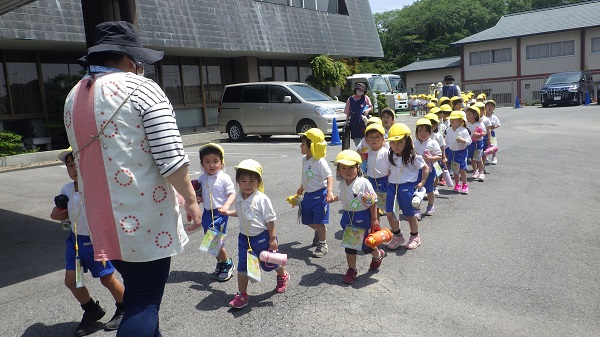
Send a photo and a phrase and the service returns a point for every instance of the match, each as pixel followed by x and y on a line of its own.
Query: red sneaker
pixel 375 263
pixel 282 282
pixel 350 276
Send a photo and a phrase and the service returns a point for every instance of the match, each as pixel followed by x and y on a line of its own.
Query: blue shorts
pixel 476 145
pixel 485 143
pixel 429 182
pixel 219 220
pixel 404 198
pixel 258 243
pixel 315 209
pixel 379 184
pixel 459 157
pixel 360 219
pixel 493 133
pixel 86 255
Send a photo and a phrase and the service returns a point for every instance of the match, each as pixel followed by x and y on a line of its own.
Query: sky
pixel 378 6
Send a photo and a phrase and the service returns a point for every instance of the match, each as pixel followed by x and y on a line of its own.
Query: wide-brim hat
pixel 62 156
pixel 121 37
pixel 449 77
pixel 359 86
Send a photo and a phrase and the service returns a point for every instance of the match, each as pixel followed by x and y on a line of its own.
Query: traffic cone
pixel 517 104
pixel 587 98
pixel 335 134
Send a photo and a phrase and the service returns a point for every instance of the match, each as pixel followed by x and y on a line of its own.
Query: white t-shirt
pixel 219 185
pixel 400 174
pixel 494 120
pixel 76 209
pixel 487 122
pixel 352 195
pixel 429 144
pixel 254 213
pixel 474 126
pixel 378 164
pixel 439 138
pixel 442 128
pixel 364 147
pixel 451 136
pixel 314 174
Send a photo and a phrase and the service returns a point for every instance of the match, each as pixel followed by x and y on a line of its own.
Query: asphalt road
pixel 517 256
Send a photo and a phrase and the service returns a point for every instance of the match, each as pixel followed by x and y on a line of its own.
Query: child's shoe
pixel 282 282
pixel 90 317
pixel 465 189
pixel 239 301
pixel 321 250
pixel 350 276
pixel 396 242
pixel 375 263
pixel 442 182
pixel 224 271
pixel 436 192
pixel 482 177
pixel 413 242
pixel 429 210
pixel 494 161
pixel 457 188
pixel 115 321
pixel 475 175
pixel 418 214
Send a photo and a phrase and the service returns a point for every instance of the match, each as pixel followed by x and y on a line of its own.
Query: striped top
pixel 131 208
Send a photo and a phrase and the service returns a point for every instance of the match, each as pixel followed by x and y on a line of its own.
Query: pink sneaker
pixel 239 301
pixel 413 242
pixel 396 242
pixel 475 175
pixel 465 189
pixel 282 282
pixel 457 188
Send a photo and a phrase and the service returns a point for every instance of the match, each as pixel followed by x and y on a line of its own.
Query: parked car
pixel 568 88
pixel 277 108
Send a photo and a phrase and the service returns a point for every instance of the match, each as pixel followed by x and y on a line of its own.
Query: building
pixel 516 55
pixel 207 45
pixel 419 75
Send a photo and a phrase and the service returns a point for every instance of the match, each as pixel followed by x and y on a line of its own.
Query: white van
pixel 277 108
pixel 398 89
pixel 376 83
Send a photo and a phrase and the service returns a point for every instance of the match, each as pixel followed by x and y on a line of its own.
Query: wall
pixel 430 76
pixel 592 61
pixel 492 70
pixel 552 64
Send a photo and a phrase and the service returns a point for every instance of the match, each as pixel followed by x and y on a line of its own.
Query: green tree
pixel 327 73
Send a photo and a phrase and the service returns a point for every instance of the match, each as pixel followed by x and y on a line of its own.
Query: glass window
pixel 277 93
pixel 291 73
pixel 309 93
pixel 531 52
pixel 543 51
pixel 297 3
pixel 310 4
pixel 172 80
pixel 596 45
pixel 191 84
pixel 474 58
pixel 569 47
pixel 254 94
pixel 4 109
pixel 213 83
pixel 233 94
pixel 485 57
pixel 556 49
pixel 23 83
pixel 152 72
pixel 304 73
pixel 279 70
pixel 59 79
pixel 265 72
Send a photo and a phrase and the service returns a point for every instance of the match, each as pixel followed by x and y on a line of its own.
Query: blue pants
pixel 315 209
pixel 144 288
pixel 360 219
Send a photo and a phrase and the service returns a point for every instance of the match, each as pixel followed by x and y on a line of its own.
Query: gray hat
pixel 121 37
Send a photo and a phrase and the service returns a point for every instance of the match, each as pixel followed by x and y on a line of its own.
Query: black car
pixel 568 88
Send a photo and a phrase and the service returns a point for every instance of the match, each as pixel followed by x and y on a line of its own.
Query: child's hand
pixel 223 209
pixel 460 140
pixel 199 199
pixel 329 198
pixel 419 185
pixel 62 214
pixel 273 244
pixel 375 225
pixel 444 161
pixel 228 213
pixel 300 191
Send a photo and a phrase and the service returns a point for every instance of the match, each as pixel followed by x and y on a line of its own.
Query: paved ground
pixel 518 256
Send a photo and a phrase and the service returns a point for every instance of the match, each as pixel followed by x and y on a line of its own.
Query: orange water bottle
pixel 378 237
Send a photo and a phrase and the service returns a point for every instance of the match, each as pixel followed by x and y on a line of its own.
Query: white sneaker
pixel 482 177
pixel 397 241
pixel 436 192
pixel 494 161
pixel 475 175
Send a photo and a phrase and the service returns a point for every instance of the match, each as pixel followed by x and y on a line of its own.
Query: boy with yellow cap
pixel 457 140
pixel 317 185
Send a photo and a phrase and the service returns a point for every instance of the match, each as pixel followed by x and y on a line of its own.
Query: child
pixel 475 150
pixel 456 103
pixel 405 165
pixel 445 111
pixel 84 252
pixel 490 106
pixel 487 135
pixel 387 117
pixel 378 164
pixel 457 140
pixel 443 100
pixel 430 150
pixel 218 193
pixel 438 136
pixel 317 185
pixel 360 210
pixel 257 228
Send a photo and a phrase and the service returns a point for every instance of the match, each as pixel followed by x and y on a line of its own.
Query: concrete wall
pixel 552 64
pixel 492 70
pixel 592 61
pixel 417 79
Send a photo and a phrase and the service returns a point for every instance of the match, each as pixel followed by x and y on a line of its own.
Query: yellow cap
pixel 474 108
pixel 432 116
pixel 62 156
pixel 443 100
pixel 348 158
pixel 434 110
pixel 254 166
pixel 398 131
pixel 430 105
pixel 423 121
pixel 480 97
pixel 375 126
pixel 318 146
pixel 490 101
pixel 445 108
pixel 456 115
pixel 480 105
pixel 433 99
pixel 454 99
pixel 376 120
pixel 216 146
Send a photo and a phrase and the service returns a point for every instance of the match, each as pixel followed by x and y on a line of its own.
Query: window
pixel 596 45
pixel 276 94
pixel 553 49
pixel 502 55
pixel 233 94
pixel 254 94
pixel 23 83
pixel 216 73
pixel 330 6
pixel 191 83
pixel 4 110
pixel 59 78
pixel 172 80
pixel 279 70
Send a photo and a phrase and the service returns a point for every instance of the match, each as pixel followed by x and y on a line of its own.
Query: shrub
pixel 11 144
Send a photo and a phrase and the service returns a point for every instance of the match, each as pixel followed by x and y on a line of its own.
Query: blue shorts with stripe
pixel 86 256
pixel 315 209
pixel 258 243
pixel 459 157
pixel 216 219
pixel 403 193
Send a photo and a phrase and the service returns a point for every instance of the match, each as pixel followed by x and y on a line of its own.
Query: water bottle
pixel 273 257
pixel 376 238
pixel 418 197
pixel 61 202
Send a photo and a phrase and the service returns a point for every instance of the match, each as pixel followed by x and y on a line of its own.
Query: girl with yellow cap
pixel 257 229
pixel 475 150
pixel 431 152
pixel 457 140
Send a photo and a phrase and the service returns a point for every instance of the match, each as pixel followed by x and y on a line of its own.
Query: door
pixel 253 109
pixel 281 115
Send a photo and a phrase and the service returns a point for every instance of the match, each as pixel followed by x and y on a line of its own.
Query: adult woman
pixel 129 170
pixel 357 106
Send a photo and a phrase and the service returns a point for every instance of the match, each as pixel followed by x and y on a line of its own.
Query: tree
pixel 327 73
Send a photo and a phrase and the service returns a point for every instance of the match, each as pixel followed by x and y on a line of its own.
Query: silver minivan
pixel 277 108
